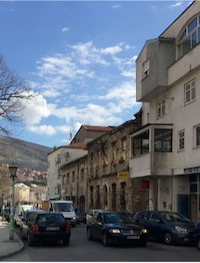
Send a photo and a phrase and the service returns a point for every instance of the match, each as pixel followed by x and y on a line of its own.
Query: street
pixel 81 249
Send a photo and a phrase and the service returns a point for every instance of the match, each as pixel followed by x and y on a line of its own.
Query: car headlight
pixel 144 231
pixel 115 231
pixel 180 229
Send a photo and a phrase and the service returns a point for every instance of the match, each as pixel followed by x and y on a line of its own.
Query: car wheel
pixel 89 235
pixel 105 240
pixel 29 240
pixel 66 242
pixel 143 243
pixel 198 243
pixel 168 238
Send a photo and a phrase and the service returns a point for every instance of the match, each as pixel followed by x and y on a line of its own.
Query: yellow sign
pixel 123 175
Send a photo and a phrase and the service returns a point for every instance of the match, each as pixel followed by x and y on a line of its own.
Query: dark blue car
pixel 197 235
pixel 169 227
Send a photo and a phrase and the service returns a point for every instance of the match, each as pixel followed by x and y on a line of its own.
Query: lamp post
pixel 13 172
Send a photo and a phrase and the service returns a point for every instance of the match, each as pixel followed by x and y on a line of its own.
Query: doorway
pixel 183 205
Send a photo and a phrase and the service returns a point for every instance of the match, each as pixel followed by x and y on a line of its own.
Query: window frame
pixel 181 140
pixel 190 92
pixel 197 136
pixel 186 40
pixel 161 108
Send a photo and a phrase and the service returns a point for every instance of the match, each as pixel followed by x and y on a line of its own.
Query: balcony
pixel 185 66
pixel 152 68
pixel 155 157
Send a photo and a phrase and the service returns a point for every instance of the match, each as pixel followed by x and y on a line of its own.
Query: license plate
pixel 52 228
pixel 133 237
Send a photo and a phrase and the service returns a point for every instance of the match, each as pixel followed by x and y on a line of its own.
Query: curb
pixel 20 249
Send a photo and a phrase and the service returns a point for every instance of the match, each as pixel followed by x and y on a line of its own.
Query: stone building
pixel 109 184
pixel 101 178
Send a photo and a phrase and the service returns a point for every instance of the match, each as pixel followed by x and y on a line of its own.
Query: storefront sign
pixel 123 175
pixel 144 184
pixel 192 170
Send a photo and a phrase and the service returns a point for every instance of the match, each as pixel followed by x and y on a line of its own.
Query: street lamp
pixel 13 172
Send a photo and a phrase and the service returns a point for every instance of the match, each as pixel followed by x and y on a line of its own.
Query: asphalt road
pixel 81 249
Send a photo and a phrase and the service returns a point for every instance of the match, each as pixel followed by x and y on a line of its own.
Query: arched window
pixel 190 37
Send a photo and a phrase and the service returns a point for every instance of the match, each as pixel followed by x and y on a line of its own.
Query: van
pixel 19 213
pixel 66 208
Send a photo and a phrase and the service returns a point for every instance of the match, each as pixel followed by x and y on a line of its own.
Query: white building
pixel 166 150
pixel 58 157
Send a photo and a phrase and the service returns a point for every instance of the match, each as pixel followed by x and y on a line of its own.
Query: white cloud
pixel 65 29
pixel 43 130
pixel 35 109
pixel 178 4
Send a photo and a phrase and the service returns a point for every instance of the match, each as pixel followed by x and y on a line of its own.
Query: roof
pixel 97 128
pixel 70 146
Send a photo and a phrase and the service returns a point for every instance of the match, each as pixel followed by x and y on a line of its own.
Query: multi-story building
pixel 22 193
pixel 65 154
pixel 166 149
pixel 58 157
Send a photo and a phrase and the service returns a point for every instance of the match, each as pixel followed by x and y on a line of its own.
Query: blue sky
pixel 80 57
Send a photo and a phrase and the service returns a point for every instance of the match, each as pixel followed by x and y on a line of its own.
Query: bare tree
pixel 13 91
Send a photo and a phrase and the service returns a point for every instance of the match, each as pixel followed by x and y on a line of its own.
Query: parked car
pixel 196 235
pixel 26 215
pixel 44 226
pixel 169 227
pixel 80 216
pixel 90 214
pixel 113 227
pixel 19 213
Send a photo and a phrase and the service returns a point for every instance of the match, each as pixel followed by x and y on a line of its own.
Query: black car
pixel 44 226
pixel 169 227
pixel 196 235
pixel 113 227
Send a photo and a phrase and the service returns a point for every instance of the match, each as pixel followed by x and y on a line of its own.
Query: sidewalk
pixel 8 247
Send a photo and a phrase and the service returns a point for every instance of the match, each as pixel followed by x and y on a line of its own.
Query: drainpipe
pixel 172 189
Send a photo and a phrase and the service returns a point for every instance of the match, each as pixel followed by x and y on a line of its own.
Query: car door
pixel 99 226
pixel 143 218
pixel 156 226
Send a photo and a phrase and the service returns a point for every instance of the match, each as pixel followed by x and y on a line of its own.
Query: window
pixel 181 140
pixel 73 176
pixel 146 69
pixel 197 135
pixel 190 37
pixel 190 91
pixel 140 144
pixel 163 140
pixel 160 108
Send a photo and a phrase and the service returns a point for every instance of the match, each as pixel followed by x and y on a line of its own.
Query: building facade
pixel 166 149
pixel 58 157
pixel 101 179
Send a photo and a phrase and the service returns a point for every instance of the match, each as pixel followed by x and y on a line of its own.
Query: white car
pixel 90 214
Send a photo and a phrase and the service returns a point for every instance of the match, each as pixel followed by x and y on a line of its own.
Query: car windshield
pixel 174 217
pixel 110 218
pixel 63 207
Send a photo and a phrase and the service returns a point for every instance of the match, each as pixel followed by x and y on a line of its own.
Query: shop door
pixel 183 205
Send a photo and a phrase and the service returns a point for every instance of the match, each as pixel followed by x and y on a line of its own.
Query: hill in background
pixel 23 154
